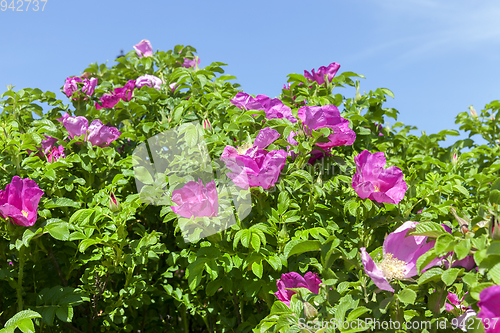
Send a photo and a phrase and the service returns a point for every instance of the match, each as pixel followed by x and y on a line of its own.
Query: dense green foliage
pixel 86 266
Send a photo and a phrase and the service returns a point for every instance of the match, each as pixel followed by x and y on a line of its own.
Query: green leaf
pixel 434 274
pixel 257 268
pixel 476 290
pixel 61 202
pixel 143 175
pixel 444 243
pixel 302 174
pixel 255 242
pixel 65 313
pixel 450 276
pixel 58 230
pixel 299 246
pixel 407 296
pixel 494 273
pixel 429 229
pixel 462 249
pixel 494 197
pixel 425 259
pixel 23 315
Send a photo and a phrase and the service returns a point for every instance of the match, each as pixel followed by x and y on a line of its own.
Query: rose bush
pixel 344 224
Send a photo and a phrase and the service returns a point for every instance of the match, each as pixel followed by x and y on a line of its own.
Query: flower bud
pixel 473 112
pixel 454 159
pixel 114 204
pixel 206 124
pixel 494 228
pixel 310 311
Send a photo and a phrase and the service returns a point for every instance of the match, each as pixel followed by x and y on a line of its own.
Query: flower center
pixel 25 213
pixel 377 189
pixel 393 269
pixel 243 148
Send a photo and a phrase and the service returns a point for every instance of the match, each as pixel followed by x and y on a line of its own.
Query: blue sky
pixel 438 57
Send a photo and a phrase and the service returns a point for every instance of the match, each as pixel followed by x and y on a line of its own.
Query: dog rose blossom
pixel 71 86
pixel 489 308
pixel 144 48
pixel 97 133
pixel 400 257
pixel 372 181
pixel 196 200
pixel 109 100
pixel 252 165
pixel 274 108
pixel 319 77
pixel 20 201
pixel 327 116
pixel 310 281
pixel 148 80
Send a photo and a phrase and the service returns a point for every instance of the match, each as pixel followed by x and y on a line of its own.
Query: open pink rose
pixel 97 133
pixel 148 80
pixel 188 63
pixel 400 257
pixel 144 48
pixel 310 281
pixel 489 306
pixel 55 154
pixel 71 86
pixel 109 100
pixel 274 108
pixel 196 200
pixel 319 77
pixel 20 200
pixel 327 116
pixel 252 165
pixel 376 183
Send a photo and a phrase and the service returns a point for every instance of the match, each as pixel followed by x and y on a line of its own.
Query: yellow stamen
pixel 243 148
pixel 377 189
pixel 25 213
pixel 393 269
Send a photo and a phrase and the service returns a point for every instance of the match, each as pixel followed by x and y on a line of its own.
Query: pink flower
pixel 327 116
pixel 97 133
pixel 252 165
pixel 376 183
pixel 65 115
pixel 71 86
pixel 20 200
pixel 101 135
pixel 109 100
pixel 319 77
pixel 400 257
pixel 196 200
pixel 144 48
pixel 453 299
pixel 310 281
pixel 274 108
pixel 489 306
pixel 188 63
pixel 148 80
pixel 55 154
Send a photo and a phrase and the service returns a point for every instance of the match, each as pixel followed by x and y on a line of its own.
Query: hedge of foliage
pixel 349 223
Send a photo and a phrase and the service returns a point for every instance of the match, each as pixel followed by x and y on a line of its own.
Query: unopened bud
pixel 114 204
pixel 206 124
pixel 473 112
pixel 310 311
pixel 454 159
pixel 494 228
